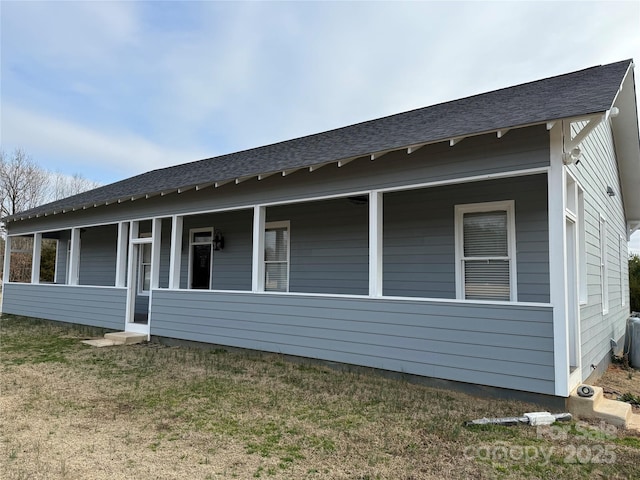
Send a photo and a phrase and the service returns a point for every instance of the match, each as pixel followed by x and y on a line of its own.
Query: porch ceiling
pixel 576 94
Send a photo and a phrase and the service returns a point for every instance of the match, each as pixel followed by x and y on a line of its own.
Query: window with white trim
pixel 582 251
pixel 276 257
pixel 604 265
pixel 485 251
pixel 144 269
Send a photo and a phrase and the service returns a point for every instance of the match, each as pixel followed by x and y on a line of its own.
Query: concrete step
pixel 126 338
pixel 634 422
pixel 597 407
pixel 117 338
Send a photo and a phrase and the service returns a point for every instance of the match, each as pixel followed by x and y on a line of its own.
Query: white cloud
pixel 83 149
pixel 215 77
pixel 69 34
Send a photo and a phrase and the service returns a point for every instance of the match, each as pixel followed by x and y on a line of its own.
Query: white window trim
pixel 583 295
pixel 604 264
pixel 283 224
pixel 140 290
pixel 191 244
pixel 460 210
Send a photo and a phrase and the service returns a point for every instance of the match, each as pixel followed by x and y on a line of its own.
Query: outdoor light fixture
pixel 610 191
pixel 572 157
pixel 218 241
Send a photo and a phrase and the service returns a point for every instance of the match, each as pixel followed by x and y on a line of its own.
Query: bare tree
pixel 23 184
pixel 68 185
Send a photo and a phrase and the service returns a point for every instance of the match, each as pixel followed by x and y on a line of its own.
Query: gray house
pixel 482 240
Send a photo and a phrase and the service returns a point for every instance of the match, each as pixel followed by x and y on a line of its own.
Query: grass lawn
pixel 156 412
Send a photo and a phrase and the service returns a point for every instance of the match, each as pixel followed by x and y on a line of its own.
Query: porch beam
pixel 176 251
pixel 156 238
pixel 6 273
pixel 35 258
pixel 257 268
pixel 375 244
pixel 121 254
pixel 74 259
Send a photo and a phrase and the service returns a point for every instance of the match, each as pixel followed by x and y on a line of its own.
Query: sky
pixel 112 89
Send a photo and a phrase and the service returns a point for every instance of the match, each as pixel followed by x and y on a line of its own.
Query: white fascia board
pixel 627 146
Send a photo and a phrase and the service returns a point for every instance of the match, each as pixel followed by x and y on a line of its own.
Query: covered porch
pixel 396 279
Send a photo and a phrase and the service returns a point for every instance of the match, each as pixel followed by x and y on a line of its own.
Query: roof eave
pixel 627 145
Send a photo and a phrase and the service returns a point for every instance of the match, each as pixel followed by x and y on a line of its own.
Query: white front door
pixel 139 285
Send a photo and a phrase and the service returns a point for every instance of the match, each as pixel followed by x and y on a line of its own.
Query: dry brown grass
pixel 154 412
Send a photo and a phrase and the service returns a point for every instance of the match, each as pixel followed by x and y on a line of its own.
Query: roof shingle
pixel 574 94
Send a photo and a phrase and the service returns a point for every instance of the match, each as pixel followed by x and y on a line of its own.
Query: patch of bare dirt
pixel 620 380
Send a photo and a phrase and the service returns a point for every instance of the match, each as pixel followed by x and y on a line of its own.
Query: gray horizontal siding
pixel 598 170
pixel 98 256
pixel 504 346
pixel 99 307
pixel 419 237
pixel 232 264
pixel 329 246
pixel 486 154
pixel 61 257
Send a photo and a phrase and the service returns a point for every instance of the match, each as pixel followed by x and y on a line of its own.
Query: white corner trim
pixel 557 264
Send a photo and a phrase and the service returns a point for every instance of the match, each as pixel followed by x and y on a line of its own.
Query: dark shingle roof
pixel 574 94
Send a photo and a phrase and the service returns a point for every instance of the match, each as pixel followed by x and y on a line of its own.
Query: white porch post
pixel 35 258
pixel 74 260
pixel 176 252
pixel 557 263
pixel 375 244
pixel 156 237
pixel 121 254
pixel 257 270
pixel 6 272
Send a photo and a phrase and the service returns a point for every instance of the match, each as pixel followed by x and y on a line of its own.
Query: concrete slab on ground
pixel 126 338
pixel 100 342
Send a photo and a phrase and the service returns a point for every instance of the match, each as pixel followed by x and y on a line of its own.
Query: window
pixel 144 269
pixel 485 251
pixel 276 257
pixel 574 211
pixel 582 251
pixel 604 265
pixel 201 258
